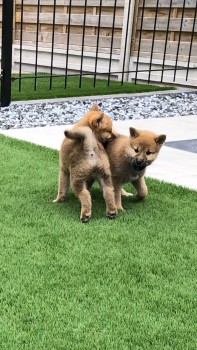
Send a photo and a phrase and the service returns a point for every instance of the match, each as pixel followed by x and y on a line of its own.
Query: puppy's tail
pixel 84 134
pixel 94 107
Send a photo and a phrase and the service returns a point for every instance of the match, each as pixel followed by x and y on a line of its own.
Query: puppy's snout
pixel 139 161
pixel 139 164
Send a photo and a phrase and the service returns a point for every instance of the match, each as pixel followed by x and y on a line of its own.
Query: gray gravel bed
pixel 120 108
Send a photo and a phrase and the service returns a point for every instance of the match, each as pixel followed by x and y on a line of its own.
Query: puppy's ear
pixel 94 107
pixel 97 120
pixel 133 133
pixel 160 139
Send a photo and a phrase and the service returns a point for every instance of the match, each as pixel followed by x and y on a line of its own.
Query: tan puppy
pixel 100 123
pixel 129 157
pixel 83 160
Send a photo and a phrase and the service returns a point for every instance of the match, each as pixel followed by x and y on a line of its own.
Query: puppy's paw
pixel 139 197
pixel 112 215
pixel 85 218
pixel 59 199
pixel 125 193
pixel 120 208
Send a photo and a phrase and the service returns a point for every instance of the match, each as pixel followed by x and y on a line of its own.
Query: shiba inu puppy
pixel 100 123
pixel 129 157
pixel 83 160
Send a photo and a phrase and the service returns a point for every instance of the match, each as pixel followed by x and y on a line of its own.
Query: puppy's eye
pixel 149 152
pixel 136 150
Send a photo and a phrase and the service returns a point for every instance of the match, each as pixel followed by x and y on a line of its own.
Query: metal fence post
pixel 6 52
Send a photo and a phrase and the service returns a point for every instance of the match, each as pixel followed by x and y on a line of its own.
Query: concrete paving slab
pixel 176 128
pixel 175 166
pixel 50 136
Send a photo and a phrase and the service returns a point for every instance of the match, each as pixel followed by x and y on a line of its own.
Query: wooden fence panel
pixel 165 37
pixel 29 25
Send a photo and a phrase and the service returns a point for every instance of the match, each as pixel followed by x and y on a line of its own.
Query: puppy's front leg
pixel 64 183
pixel 118 196
pixel 141 188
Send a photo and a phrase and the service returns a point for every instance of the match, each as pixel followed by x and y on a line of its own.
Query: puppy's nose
pixel 139 161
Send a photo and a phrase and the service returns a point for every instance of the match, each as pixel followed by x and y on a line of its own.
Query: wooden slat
pixel 75 39
pixel 150 12
pixel 171 48
pixel 73 48
pixel 166 3
pixel 76 19
pixel 161 37
pixel 148 24
pixel 181 58
pixel 106 3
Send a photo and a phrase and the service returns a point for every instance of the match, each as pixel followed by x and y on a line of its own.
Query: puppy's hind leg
pixel 64 183
pixel 86 204
pixel 108 194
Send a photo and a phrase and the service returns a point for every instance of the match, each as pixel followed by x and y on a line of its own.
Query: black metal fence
pixel 182 47
pixel 145 32
pixel 6 52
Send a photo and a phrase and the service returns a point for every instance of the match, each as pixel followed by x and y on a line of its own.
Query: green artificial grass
pixel 129 283
pixel 87 88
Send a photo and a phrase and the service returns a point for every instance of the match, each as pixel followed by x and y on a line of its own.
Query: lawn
pixel 129 283
pixel 87 88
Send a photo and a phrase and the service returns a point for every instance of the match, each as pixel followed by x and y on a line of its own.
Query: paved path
pixel 173 165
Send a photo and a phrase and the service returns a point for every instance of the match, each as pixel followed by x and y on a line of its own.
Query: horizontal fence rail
pixel 144 40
